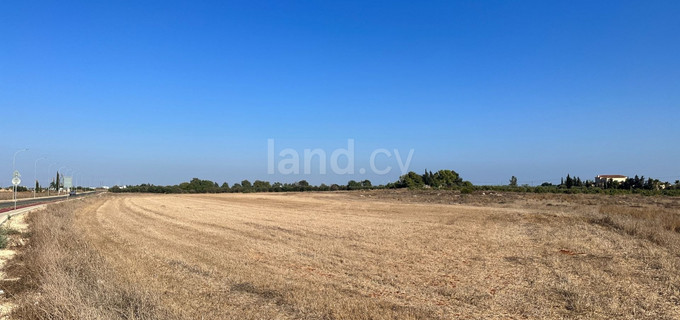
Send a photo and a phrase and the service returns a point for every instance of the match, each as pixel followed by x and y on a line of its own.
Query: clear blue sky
pixel 131 92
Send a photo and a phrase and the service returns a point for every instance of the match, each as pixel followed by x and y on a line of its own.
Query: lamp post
pixel 74 181
pixel 14 170
pixel 35 174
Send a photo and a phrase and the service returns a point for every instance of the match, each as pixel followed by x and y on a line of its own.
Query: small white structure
pixel 600 180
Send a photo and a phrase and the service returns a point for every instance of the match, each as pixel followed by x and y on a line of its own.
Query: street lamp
pixel 35 174
pixel 14 170
pixel 14 160
pixel 74 183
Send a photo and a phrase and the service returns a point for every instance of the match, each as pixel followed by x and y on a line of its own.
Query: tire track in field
pixel 168 265
pixel 221 254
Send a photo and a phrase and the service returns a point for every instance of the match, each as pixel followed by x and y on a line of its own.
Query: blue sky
pixel 160 92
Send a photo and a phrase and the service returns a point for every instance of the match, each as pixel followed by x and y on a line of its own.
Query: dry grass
pixel 24 195
pixel 61 276
pixel 354 256
pixel 658 225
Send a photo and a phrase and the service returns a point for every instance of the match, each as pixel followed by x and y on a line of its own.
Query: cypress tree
pixel 570 182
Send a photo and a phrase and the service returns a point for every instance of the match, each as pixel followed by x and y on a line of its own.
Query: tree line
pixel 207 186
pixel 635 183
pixel 574 184
pixel 442 179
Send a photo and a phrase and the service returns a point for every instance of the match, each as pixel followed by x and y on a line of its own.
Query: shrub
pixel 4 240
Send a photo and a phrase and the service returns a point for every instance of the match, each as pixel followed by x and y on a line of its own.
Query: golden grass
pixel 61 276
pixel 656 224
pixel 354 256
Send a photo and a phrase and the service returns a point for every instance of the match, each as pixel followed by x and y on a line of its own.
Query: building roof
pixel 611 176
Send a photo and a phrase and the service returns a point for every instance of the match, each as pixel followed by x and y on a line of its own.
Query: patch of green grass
pixel 4 236
pixel 4 241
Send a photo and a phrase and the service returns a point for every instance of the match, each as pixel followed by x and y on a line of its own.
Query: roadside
pixel 59 275
pixel 9 195
pixel 6 205
pixel 13 236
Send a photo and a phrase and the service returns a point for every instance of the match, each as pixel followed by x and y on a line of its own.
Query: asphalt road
pixel 21 203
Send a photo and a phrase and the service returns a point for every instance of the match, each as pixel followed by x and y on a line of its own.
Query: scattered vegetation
pixel 5 233
pixel 4 240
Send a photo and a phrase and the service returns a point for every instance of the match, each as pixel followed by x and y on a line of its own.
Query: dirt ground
pixel 18 225
pixel 393 254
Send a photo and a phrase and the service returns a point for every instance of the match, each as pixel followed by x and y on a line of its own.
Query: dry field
pixel 8 195
pixel 351 255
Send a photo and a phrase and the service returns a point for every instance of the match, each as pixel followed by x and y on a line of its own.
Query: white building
pixel 601 179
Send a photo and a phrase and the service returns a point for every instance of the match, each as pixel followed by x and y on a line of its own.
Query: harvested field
pixel 353 255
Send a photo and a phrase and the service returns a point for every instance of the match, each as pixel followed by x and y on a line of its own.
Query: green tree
pixel 236 188
pixel 198 186
pixel 277 187
pixel 411 180
pixel 569 182
pixel 353 185
pixel 246 186
pixel 428 178
pixel 447 179
pixel 261 186
pixel 513 181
